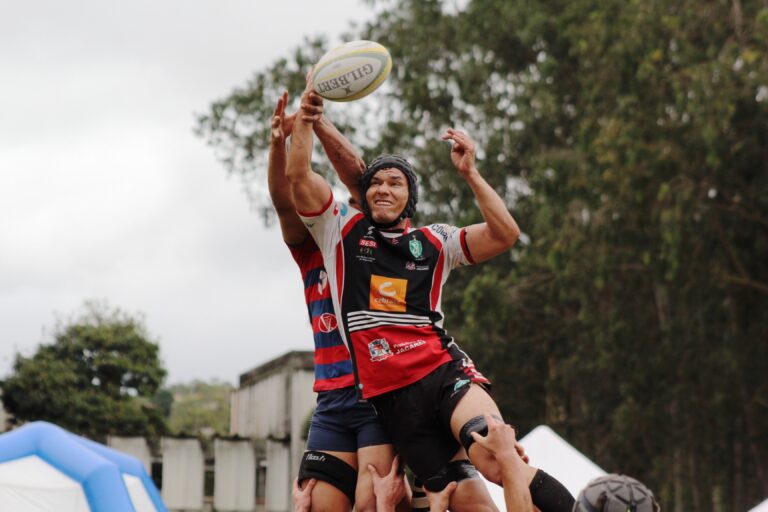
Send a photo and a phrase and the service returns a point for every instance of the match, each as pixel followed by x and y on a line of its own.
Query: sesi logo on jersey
pixel 387 293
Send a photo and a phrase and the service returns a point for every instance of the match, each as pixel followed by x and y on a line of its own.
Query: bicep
pixel 310 193
pixel 481 243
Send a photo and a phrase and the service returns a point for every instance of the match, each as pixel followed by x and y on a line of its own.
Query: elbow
pixel 509 237
pixel 291 173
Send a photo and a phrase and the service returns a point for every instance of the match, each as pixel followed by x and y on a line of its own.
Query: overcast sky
pixel 105 193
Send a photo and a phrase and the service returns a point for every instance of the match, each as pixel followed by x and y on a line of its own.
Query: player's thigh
pixel 327 498
pixel 475 402
pixel 380 457
pixel 336 475
pixel 472 495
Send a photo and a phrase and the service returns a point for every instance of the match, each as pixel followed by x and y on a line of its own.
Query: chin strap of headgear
pixel 389 162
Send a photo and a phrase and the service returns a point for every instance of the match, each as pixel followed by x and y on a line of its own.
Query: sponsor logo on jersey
pixel 415 248
pixel 388 293
pixel 410 265
pixel 379 350
pixel 322 282
pixel 440 230
pixel 367 246
pixel 327 322
pixel 408 345
pixel 344 209
pixel 336 209
pixel 459 384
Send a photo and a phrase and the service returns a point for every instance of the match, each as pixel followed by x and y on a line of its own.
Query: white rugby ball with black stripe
pixel 351 71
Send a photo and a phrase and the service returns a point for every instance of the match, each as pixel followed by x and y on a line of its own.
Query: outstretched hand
pixel 462 150
pixel 311 102
pixel 282 125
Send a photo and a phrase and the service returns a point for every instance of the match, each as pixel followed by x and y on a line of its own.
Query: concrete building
pixel 272 405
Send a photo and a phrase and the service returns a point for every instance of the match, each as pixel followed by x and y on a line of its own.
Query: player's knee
pixel 365 500
pixel 330 469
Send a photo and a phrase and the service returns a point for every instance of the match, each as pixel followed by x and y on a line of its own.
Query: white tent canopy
pixel 763 507
pixel 551 453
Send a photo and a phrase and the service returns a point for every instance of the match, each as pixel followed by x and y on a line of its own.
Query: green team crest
pixel 415 247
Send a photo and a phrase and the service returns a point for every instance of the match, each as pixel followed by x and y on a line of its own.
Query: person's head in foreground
pixel 388 191
pixel 615 493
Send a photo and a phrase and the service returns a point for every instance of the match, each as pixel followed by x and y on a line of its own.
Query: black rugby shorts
pixel 418 417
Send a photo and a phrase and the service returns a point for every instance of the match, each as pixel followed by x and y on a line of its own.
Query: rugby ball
pixel 351 71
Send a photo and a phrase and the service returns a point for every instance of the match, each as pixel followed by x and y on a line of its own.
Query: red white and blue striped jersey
pixel 333 365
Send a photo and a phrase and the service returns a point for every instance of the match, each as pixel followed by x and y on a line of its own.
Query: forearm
pixel 277 182
pixel 309 190
pixel 516 493
pixel 342 154
pixel 501 225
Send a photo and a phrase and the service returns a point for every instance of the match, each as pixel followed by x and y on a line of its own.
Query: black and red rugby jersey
pixel 387 290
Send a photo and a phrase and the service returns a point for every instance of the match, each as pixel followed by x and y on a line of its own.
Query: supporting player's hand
pixel 302 498
pixel 500 441
pixel 281 124
pixel 438 501
pixel 462 151
pixel 390 488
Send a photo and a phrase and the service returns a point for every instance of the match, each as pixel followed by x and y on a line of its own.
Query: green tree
pixel 97 377
pixel 630 139
pixel 200 408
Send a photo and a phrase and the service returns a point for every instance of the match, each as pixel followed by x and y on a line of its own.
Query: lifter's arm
pixel 342 154
pixel 291 227
pixel 501 442
pixel 311 193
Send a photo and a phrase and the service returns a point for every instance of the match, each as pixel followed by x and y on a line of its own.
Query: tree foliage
pixel 630 139
pixel 98 377
pixel 200 408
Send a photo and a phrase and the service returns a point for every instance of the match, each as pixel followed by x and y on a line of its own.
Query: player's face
pixel 387 195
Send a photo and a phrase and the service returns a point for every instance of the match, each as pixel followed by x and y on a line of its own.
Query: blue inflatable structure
pixel 98 469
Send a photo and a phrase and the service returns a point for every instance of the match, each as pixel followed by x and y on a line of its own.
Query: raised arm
pixel 342 154
pixel 311 193
pixel 499 232
pixel 291 227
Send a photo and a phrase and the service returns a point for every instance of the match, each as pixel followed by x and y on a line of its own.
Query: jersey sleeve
pixel 455 246
pixel 324 226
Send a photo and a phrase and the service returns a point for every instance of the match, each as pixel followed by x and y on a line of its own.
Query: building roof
pixel 293 360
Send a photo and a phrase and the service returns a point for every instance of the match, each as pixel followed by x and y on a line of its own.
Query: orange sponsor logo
pixel 388 293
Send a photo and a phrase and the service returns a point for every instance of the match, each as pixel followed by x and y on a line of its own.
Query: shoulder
pixel 441 231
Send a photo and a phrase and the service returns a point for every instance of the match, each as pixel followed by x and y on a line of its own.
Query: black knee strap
pixel 549 495
pixel 324 466
pixel 454 471
pixel 476 424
